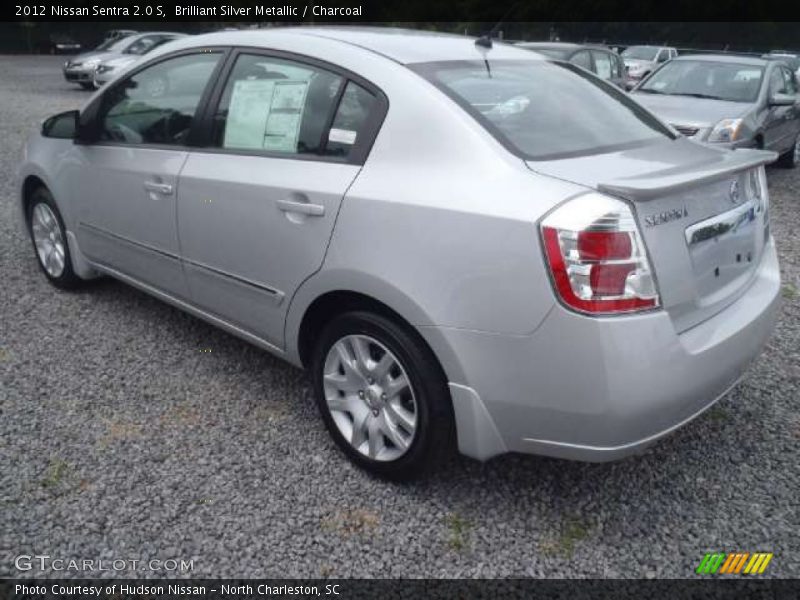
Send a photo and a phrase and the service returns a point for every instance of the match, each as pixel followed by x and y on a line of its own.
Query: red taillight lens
pixel 596 257
pixel 604 245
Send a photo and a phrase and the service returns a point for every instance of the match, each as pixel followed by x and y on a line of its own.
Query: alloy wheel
pixel 370 397
pixel 48 239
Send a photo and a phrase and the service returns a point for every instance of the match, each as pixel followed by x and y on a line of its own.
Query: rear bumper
pixel 600 389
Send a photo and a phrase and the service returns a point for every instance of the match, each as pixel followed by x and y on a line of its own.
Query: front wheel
pixel 791 159
pixel 49 237
pixel 382 395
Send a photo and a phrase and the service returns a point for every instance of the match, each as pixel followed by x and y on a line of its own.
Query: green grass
pixel 57 470
pixel 573 531
pixel 790 291
pixel 717 413
pixel 459 529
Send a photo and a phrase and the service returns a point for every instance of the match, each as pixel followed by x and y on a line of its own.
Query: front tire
pixel 790 159
pixel 49 237
pixel 382 395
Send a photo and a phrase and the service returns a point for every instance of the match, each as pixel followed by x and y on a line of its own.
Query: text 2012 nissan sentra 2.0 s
pixel 460 243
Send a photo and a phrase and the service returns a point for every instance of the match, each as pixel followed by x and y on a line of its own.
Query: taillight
pixel 597 257
pixel 756 181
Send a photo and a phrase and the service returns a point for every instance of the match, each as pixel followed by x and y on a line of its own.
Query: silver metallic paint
pixel 440 225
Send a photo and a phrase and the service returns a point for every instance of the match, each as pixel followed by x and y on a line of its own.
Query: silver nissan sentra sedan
pixel 463 243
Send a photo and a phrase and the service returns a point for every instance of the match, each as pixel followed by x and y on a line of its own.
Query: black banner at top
pixel 388 11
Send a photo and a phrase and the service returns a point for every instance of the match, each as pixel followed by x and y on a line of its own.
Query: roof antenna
pixel 484 43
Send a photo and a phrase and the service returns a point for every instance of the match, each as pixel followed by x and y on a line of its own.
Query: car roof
pixel 552 45
pixel 724 58
pixel 405 46
pixel 141 34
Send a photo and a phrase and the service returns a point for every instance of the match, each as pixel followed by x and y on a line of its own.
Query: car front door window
pixel 157 105
pixel 582 59
pixel 603 65
pixel 790 84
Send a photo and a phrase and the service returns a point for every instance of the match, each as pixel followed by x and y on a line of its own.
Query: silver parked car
pixel 81 69
pixel 640 61
pixel 461 244
pixel 600 60
pixel 732 101
pixel 108 69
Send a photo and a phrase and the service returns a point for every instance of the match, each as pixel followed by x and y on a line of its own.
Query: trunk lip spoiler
pixel 649 187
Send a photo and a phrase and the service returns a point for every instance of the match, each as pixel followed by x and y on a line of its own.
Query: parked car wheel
pixel 382 395
pixel 49 238
pixel 791 158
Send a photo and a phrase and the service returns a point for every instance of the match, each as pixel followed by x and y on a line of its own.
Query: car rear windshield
pixel 543 110
pixel 706 79
pixel 640 53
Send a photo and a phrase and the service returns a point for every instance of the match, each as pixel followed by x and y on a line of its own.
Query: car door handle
pixel 303 208
pixel 158 187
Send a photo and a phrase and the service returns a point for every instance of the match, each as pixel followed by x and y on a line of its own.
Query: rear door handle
pixel 158 187
pixel 303 208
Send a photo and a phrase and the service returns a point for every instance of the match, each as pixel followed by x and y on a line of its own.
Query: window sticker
pixel 265 114
pixel 342 136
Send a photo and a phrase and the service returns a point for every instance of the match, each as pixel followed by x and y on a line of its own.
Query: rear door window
pixel 288 107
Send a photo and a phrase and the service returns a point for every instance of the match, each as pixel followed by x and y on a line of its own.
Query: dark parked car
pixel 599 60
pixel 59 43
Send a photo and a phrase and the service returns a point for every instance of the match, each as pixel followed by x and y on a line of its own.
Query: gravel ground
pixel 120 438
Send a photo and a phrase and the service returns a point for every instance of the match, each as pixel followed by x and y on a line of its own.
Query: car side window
pixel 790 83
pixel 289 107
pixel 776 82
pixel 275 105
pixel 156 105
pixel 350 121
pixel 582 59
pixel 603 65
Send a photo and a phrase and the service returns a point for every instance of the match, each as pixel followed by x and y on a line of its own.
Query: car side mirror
pixel 62 126
pixel 782 100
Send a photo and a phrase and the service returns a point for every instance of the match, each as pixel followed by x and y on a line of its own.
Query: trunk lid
pixel 705 231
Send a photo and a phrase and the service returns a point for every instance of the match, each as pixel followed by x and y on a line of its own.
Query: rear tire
pixel 790 159
pixel 382 396
pixel 49 238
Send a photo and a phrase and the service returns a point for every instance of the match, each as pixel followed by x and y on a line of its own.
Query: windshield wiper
pixel 691 95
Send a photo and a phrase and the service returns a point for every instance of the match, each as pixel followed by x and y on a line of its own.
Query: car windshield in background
pixel 640 53
pixel 545 110
pixel 706 79
pixel 144 45
pixel 108 43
